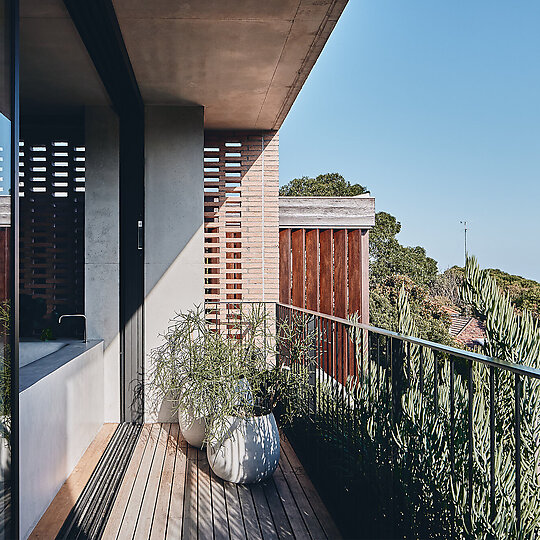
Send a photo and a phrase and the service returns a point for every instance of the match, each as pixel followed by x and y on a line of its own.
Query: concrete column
pixel 102 276
pixel 174 224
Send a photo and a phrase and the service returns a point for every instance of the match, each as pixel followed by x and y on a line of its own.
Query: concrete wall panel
pixel 174 236
pixel 102 237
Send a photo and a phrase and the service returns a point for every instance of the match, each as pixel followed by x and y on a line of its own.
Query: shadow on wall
pixel 174 226
pixel 240 183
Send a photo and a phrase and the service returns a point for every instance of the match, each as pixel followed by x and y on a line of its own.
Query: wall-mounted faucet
pixel 75 315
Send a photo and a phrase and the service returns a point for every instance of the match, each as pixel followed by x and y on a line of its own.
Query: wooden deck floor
pixel 170 492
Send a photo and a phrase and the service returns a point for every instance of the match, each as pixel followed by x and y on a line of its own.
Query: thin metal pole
pixel 452 437
pixel 470 445
pixel 464 223
pixel 518 450
pixel 493 509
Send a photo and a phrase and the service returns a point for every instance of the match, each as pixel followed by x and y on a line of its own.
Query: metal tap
pixel 75 315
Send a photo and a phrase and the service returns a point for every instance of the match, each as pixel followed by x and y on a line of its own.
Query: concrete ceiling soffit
pixel 309 33
pixel 56 70
pixel 244 61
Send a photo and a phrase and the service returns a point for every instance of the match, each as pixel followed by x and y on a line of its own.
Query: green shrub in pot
pixel 228 380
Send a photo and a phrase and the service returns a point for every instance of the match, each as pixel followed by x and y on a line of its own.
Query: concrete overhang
pixel 327 212
pixel 57 75
pixel 245 61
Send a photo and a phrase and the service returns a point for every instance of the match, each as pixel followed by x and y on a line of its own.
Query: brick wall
pixel 241 183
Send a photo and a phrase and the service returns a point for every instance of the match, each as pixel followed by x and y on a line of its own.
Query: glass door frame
pixel 13 7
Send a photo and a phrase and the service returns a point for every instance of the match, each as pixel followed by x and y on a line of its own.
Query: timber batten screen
pixel 241 215
pixel 325 270
pixel 324 253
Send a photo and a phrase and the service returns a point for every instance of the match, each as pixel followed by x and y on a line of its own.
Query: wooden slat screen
pixel 312 272
pixel 325 270
pixel 285 266
pixel 340 273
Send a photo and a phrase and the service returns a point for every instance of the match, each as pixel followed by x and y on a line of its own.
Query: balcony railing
pixel 409 438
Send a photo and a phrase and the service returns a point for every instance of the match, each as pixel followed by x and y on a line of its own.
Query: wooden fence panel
pixel 340 273
pixel 354 270
pixel 285 266
pixel 298 267
pixel 326 275
pixel 312 269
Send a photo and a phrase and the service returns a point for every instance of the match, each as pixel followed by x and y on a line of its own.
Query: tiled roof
pixel 459 322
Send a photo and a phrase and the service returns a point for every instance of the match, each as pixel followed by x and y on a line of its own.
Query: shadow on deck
pixel 169 491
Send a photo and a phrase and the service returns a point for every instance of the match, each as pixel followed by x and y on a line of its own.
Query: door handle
pixel 140 236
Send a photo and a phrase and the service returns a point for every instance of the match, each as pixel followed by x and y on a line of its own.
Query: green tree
pixel 324 185
pixel 388 257
pixel 430 319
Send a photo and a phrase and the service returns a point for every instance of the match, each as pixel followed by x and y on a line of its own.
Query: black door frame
pixel 100 32
pixel 14 528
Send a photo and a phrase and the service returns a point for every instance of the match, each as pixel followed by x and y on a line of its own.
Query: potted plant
pixel 228 382
pixel 193 368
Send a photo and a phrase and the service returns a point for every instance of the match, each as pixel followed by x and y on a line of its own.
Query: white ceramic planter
pixel 192 429
pixel 249 451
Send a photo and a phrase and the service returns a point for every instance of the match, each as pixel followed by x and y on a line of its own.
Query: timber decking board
pixel 219 509
pixel 169 491
pixel 117 514
pixel 159 523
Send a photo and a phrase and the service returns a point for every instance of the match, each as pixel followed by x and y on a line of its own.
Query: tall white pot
pixel 249 451
pixel 191 428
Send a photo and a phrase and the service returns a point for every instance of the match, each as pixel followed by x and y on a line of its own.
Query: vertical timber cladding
pixel 325 270
pixel 241 184
pixel 51 190
pixel 324 253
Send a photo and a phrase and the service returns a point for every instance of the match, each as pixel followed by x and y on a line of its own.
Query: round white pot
pixel 192 429
pixel 249 451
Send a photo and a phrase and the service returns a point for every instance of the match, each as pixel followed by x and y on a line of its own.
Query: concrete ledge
pixel 37 370
pixel 61 411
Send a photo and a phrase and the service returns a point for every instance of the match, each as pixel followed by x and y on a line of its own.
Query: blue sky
pixel 435 106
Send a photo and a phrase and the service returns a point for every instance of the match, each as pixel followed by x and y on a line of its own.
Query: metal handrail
pixel 467 355
pixel 460 353
pixel 341 358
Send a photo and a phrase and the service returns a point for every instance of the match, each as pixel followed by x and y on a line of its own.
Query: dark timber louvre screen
pixel 51 187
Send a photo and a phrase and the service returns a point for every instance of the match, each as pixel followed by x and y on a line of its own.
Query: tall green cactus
pixel 511 336
pixel 423 433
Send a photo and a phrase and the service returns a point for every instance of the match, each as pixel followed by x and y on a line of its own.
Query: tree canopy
pixel 324 185
pixel 388 257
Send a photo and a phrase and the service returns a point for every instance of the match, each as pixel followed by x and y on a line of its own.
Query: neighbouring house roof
pixel 245 61
pixel 327 212
pixel 458 323
pixel 467 330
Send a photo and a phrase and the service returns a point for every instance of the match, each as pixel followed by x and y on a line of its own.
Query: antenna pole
pixel 464 223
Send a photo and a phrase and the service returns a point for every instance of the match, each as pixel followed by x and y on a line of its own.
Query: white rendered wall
pixel 60 415
pixel 102 250
pixel 174 224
